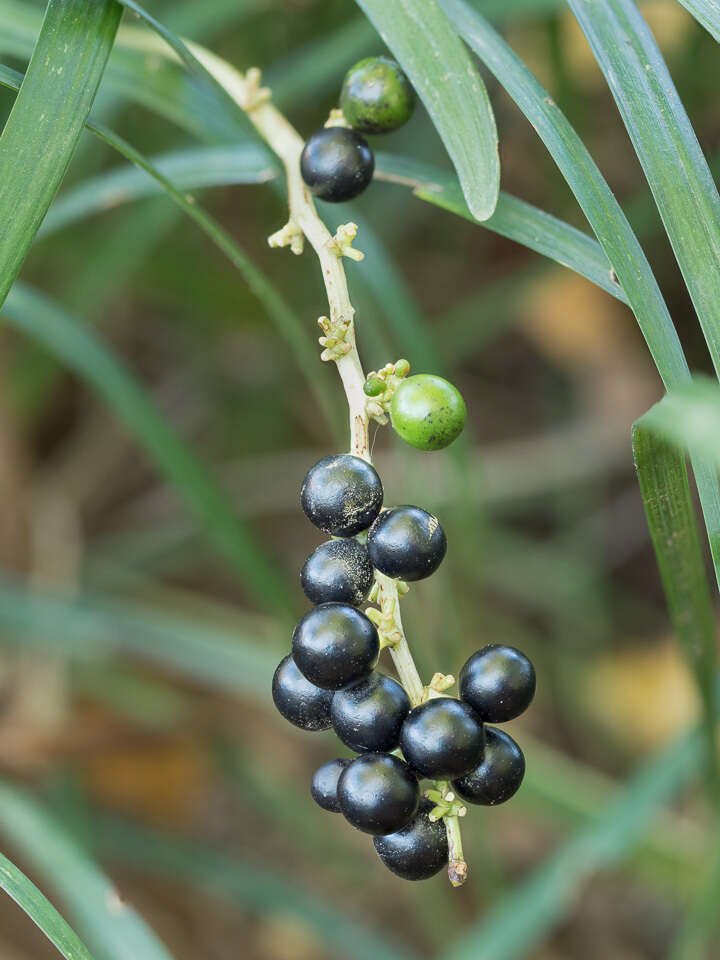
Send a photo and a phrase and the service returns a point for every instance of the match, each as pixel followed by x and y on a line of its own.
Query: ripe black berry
pixel 498 682
pixel 341 495
pixel 334 645
pixel 498 776
pixel 376 96
pixel 419 850
pixel 337 164
pixel 299 701
pixel 339 571
pixel 406 543
pixel 378 793
pixel 324 784
pixel 369 714
pixel 442 739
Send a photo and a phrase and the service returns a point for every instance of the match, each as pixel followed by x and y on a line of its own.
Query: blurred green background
pixel 136 658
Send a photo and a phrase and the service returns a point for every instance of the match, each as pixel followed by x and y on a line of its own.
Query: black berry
pixel 299 701
pixel 406 543
pixel 324 784
pixel 498 776
pixel 498 682
pixel 442 739
pixel 339 571
pixel 378 793
pixel 376 96
pixel 341 495
pixel 337 164
pixel 419 850
pixel 334 645
pixel 369 714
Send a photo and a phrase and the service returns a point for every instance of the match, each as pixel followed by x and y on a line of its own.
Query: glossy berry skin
pixel 323 786
pixel 378 793
pixel 376 96
pixel 337 164
pixel 499 775
pixel 341 495
pixel 498 682
pixel 428 412
pixel 338 571
pixel 299 701
pixel 419 850
pixel 442 739
pixel 334 645
pixel 406 543
pixel 369 714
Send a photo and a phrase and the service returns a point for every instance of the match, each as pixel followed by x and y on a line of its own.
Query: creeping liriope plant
pixel 409 731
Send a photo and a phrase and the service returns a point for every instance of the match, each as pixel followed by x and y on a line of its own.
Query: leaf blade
pixel 439 67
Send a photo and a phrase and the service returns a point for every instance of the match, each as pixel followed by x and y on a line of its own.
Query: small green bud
pixel 373 387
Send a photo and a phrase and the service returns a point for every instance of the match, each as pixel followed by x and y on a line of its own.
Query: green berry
pixel 428 412
pixel 374 386
pixel 376 96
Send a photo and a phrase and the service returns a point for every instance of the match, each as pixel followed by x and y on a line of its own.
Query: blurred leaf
pixel 513 218
pixel 689 416
pixel 82 352
pixel 47 119
pixel 607 220
pixel 440 69
pixel 248 884
pixel 666 145
pixel 523 918
pixel 707 13
pixel 112 928
pixel 191 168
pixel 239 658
pixel 40 910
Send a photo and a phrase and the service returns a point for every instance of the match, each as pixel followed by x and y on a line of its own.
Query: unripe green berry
pixel 374 386
pixel 427 411
pixel 376 96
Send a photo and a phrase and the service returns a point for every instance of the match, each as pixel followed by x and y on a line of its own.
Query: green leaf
pixel 47 119
pixel 248 884
pixel 707 13
pixel 41 911
pixel 526 915
pixel 112 928
pixel 689 416
pixel 666 145
pixel 440 69
pixel 608 222
pixel 239 659
pixel 82 352
pixel 663 480
pixel 513 218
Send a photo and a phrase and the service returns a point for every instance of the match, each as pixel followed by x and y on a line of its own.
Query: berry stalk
pixel 341 347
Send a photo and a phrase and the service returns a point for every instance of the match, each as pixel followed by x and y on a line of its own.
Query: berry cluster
pixel 329 680
pixel 337 164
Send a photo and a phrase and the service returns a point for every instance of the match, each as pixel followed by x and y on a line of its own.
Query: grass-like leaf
pixel 666 145
pixel 27 896
pixel 707 13
pixel 513 218
pixel 427 47
pixel 112 928
pixel 81 351
pixel 47 119
pixel 669 510
pixel 525 916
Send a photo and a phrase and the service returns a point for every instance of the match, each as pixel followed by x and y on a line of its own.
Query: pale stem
pixel 284 140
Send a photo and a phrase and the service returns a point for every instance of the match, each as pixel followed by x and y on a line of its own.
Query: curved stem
pixel 304 221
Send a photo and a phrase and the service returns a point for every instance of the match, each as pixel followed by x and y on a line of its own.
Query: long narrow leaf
pixel 666 145
pixel 422 39
pixel 47 119
pixel 82 352
pixel 112 928
pixel 27 896
pixel 707 13
pixel 513 218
